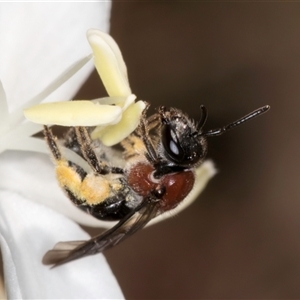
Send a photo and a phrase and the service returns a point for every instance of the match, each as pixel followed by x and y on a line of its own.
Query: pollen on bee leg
pixel 133 145
pixel 95 189
pixel 68 177
pixel 91 190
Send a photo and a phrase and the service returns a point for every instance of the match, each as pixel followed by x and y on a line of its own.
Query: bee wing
pixel 67 251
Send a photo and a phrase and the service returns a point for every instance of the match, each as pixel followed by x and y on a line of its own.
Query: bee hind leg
pixel 91 192
pixel 52 143
pixel 69 175
pixel 86 147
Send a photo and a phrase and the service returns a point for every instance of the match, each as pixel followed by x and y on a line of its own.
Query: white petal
pixel 14 118
pixel 109 63
pixel 3 103
pixel 66 75
pixel 28 230
pixel 35 47
pixel 73 113
pixel 203 174
pixel 32 175
pixel 22 144
pixel 113 134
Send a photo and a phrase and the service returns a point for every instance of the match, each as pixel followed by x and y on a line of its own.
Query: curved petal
pixel 35 48
pixel 27 169
pixel 109 63
pixel 20 171
pixel 73 113
pixel 28 230
pixel 114 134
pixel 203 174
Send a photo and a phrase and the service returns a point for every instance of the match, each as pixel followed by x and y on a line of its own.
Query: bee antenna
pixel 254 114
pixel 203 117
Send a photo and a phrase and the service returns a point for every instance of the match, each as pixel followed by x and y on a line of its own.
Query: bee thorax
pixel 176 185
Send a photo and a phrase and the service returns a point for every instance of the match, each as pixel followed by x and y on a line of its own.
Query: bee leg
pixel 89 154
pixel 84 190
pixel 151 153
pixel 68 174
pixel 57 154
pixel 52 143
pixel 153 121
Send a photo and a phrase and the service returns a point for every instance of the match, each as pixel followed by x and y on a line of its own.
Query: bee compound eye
pixel 171 143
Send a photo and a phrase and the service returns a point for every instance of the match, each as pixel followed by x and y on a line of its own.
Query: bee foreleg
pixel 143 130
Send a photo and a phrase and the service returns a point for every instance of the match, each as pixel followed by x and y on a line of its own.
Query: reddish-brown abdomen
pixel 177 185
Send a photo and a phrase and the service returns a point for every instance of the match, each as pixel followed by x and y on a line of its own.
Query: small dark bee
pixel 159 159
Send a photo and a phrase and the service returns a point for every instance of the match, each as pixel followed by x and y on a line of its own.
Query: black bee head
pixel 181 140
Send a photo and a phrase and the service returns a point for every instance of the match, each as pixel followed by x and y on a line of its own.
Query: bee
pixel 155 174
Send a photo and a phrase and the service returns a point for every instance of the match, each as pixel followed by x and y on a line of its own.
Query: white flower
pixel 118 114
pixel 33 52
pixel 39 41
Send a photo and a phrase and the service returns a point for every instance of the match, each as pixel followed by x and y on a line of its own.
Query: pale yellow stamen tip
pixel 113 134
pixel 73 113
pixel 109 63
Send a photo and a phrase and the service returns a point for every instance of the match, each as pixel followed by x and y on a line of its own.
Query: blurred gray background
pixel 241 238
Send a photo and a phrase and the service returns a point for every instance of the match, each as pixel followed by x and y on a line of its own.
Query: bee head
pixel 181 141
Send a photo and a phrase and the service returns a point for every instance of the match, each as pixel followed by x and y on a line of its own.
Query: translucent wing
pixel 67 251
